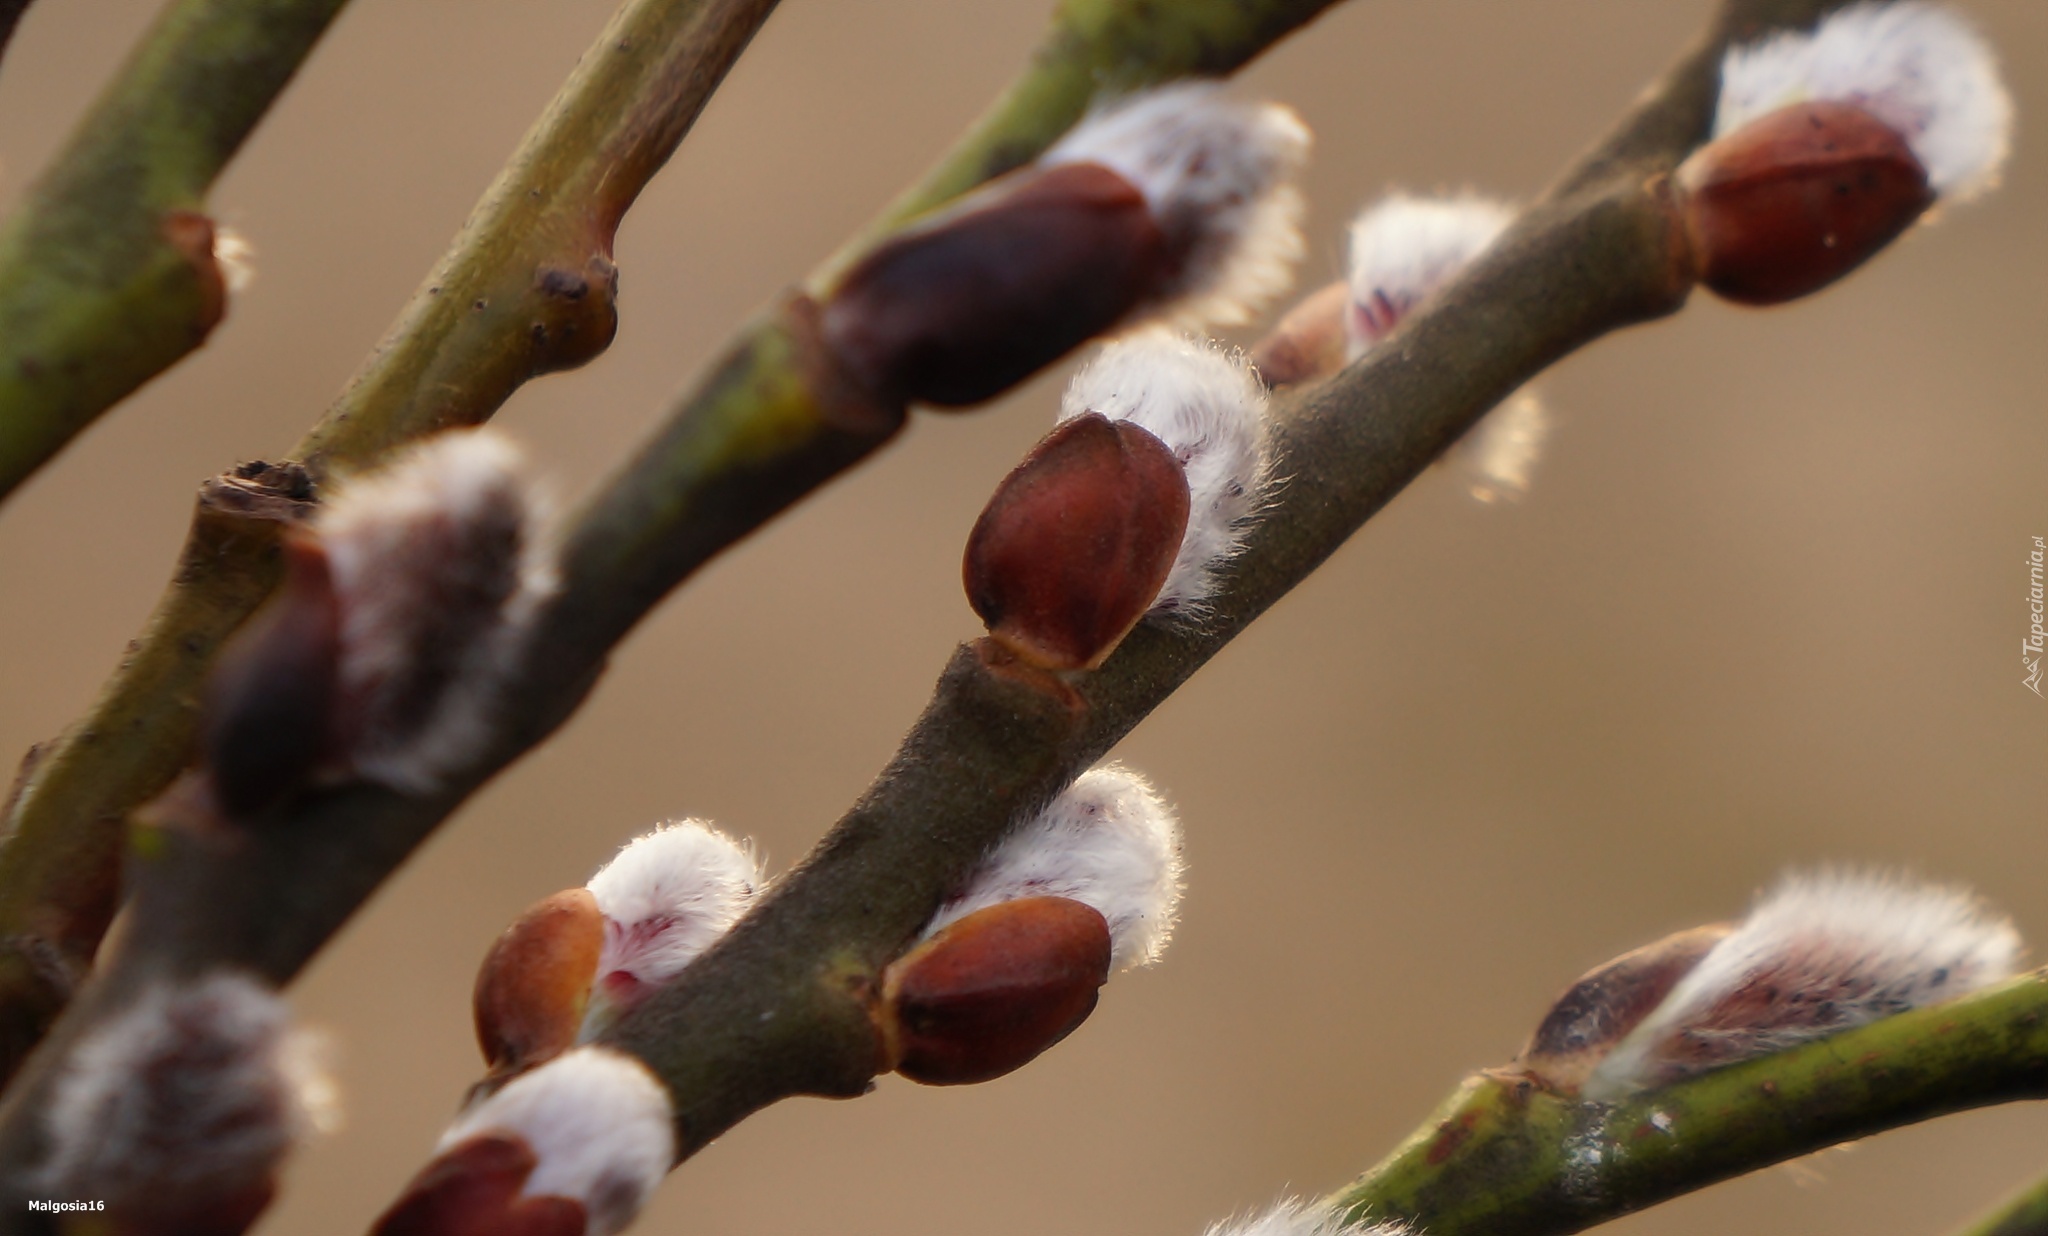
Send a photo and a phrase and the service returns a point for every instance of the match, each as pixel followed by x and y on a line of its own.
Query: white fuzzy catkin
pixel 235 254
pixel 1294 1217
pixel 439 564
pixel 1218 175
pixel 1111 842
pixel 1403 248
pixel 192 1095
pixel 1919 67
pixel 1820 953
pixel 1209 408
pixel 600 1127
pixel 669 895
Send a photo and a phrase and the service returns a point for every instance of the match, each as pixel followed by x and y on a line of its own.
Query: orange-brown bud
pixel 473 1189
pixel 535 982
pixel 270 701
pixel 961 307
pixel 1790 203
pixel 1311 342
pixel 987 993
pixel 1600 1009
pixel 1077 541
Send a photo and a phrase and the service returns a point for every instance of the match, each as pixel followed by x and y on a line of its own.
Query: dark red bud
pixel 1599 1010
pixel 472 1189
pixel 535 982
pixel 989 992
pixel 965 305
pixel 270 701
pixel 1791 202
pixel 1074 546
pixel 1309 343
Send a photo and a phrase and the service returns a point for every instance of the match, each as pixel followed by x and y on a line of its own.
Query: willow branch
pixel 1505 1157
pixel 107 275
pixel 527 287
pixel 768 425
pixel 2023 1214
pixel 778 1007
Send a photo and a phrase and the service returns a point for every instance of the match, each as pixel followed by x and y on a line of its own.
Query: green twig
pixel 1505 1157
pixel 107 275
pixel 527 287
pixel 2023 1214
pixel 768 425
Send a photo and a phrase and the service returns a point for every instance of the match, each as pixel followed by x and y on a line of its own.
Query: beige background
pixel 1762 609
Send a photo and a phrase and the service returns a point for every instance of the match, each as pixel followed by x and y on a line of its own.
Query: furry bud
pixel 1403 248
pixel 270 699
pixel 989 991
pixel 572 1148
pixel 439 567
pixel 1818 955
pixel 1077 542
pixel 534 986
pixel 1209 409
pixel 667 897
pixel 1829 144
pixel 1794 201
pixel 1110 842
pixel 1608 1002
pixel 179 1111
pixel 1170 204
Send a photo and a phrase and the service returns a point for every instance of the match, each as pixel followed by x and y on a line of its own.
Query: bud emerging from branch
pixel 439 568
pixel 1077 542
pixel 1209 409
pixel 1173 204
pixel 572 1148
pixel 1829 144
pixel 534 987
pixel 1012 965
pixel 179 1111
pixel 1110 842
pixel 1608 1002
pixel 1817 955
pixel 990 991
pixel 667 897
pixel 1403 248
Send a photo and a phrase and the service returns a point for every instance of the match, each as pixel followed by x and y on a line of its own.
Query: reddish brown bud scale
pixel 1790 203
pixel 1309 343
pixel 270 701
pixel 1600 1009
pixel 192 234
pixel 961 307
pixel 989 992
pixel 472 1189
pixel 535 982
pixel 1077 541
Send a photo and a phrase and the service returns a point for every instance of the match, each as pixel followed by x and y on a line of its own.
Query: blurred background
pixel 1761 609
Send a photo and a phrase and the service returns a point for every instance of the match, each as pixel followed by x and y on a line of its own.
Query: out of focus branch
pixel 107 274
pixel 527 288
pixel 1506 1157
pixel 2023 1214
